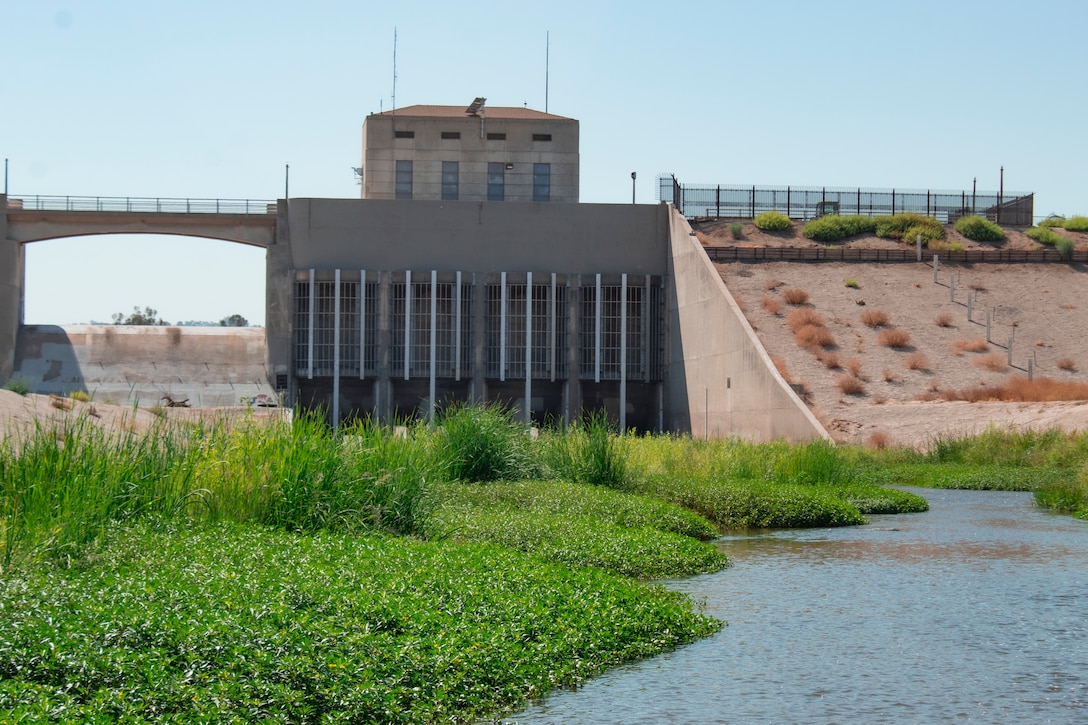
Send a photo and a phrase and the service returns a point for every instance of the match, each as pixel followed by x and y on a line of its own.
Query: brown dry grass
pixel 916 361
pixel 944 320
pixel 878 440
pixel 875 318
pixel 794 296
pixel 830 360
pixel 772 305
pixel 849 385
pixel 889 375
pixel 1067 364
pixel 814 336
pixel 772 285
pixel 975 344
pixel 780 366
pixel 1022 390
pixel 896 339
pixel 994 362
pixel 853 366
pixel 803 317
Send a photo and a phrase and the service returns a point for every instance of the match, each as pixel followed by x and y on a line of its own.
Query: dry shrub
pixel 780 366
pixel 894 338
pixel 803 317
pixel 875 318
pixel 977 287
pixel 772 285
pixel 934 387
pixel 1068 306
pixel 879 400
pixel 944 320
pixel 889 375
pixel 853 366
pixel 849 385
pixel 916 361
pixel 1067 364
pixel 830 360
pixel 1040 343
pixel 995 362
pixel 1021 390
pixel 975 344
pixel 794 296
pixel 878 440
pixel 814 336
pixel 771 305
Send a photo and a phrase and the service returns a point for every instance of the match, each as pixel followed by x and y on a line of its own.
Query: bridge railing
pixel 141 205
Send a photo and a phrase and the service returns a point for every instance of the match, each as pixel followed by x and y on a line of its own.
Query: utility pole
pixel 633 187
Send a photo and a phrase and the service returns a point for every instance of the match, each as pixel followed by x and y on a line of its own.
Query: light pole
pixel 633 187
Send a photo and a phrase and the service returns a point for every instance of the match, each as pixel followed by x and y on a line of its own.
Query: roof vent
pixel 477 105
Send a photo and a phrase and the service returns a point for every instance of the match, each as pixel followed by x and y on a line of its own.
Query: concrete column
pixel 384 339
pixel 479 336
pixel 12 279
pixel 279 304
pixel 574 346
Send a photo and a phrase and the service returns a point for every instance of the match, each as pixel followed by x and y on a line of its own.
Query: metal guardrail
pixel 804 203
pixel 141 205
pixel 823 254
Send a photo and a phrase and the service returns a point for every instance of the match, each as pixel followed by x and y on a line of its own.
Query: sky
pixel 216 99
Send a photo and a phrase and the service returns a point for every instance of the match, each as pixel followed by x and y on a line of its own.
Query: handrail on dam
pixel 141 205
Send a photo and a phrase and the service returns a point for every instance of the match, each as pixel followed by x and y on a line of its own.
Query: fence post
pixel 919 247
pixel 1010 349
pixel 859 202
pixel 970 304
pixel 988 317
pixel 936 264
pixel 788 200
pixel 718 203
pixel 952 287
pixel 1031 369
pixel 753 201
pixel 893 202
pixel 927 202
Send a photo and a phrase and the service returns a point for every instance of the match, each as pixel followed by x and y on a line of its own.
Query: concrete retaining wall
pixel 137 365
pixel 721 380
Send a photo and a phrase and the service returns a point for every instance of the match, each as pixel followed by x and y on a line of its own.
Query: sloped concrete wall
pixel 12 270
pixel 136 365
pixel 721 380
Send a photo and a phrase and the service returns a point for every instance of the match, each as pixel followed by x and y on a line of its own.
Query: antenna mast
pixel 547 65
pixel 394 70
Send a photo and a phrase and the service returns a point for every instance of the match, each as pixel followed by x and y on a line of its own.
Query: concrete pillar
pixel 574 345
pixel 479 337
pixel 12 279
pixel 278 303
pixel 384 338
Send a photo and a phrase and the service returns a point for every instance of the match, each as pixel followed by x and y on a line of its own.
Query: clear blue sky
pixel 211 99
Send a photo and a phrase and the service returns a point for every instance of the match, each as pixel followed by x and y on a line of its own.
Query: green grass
pixel 772 221
pixel 903 227
pixel 286 572
pixel 17 386
pixel 1044 235
pixel 1076 224
pixel 979 229
pixel 736 230
pixel 832 228
pixel 321 628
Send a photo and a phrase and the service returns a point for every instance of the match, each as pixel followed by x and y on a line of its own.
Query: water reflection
pixel 974 611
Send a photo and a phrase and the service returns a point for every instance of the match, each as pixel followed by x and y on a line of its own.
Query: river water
pixel 976 611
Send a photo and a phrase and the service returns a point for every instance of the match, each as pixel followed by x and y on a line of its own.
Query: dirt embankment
pixel 865 390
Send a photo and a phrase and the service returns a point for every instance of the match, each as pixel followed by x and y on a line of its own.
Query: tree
pixel 234 321
pixel 148 316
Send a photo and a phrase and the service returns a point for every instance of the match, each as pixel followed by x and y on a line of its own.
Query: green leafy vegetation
pixel 978 229
pixel 287 572
pixel 1065 247
pixel 1076 224
pixel 17 386
pixel 903 227
pixel 1044 235
pixel 322 628
pixel 736 230
pixel 772 221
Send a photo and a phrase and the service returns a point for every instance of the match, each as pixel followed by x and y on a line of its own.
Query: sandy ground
pixel 20 414
pixel 1042 307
